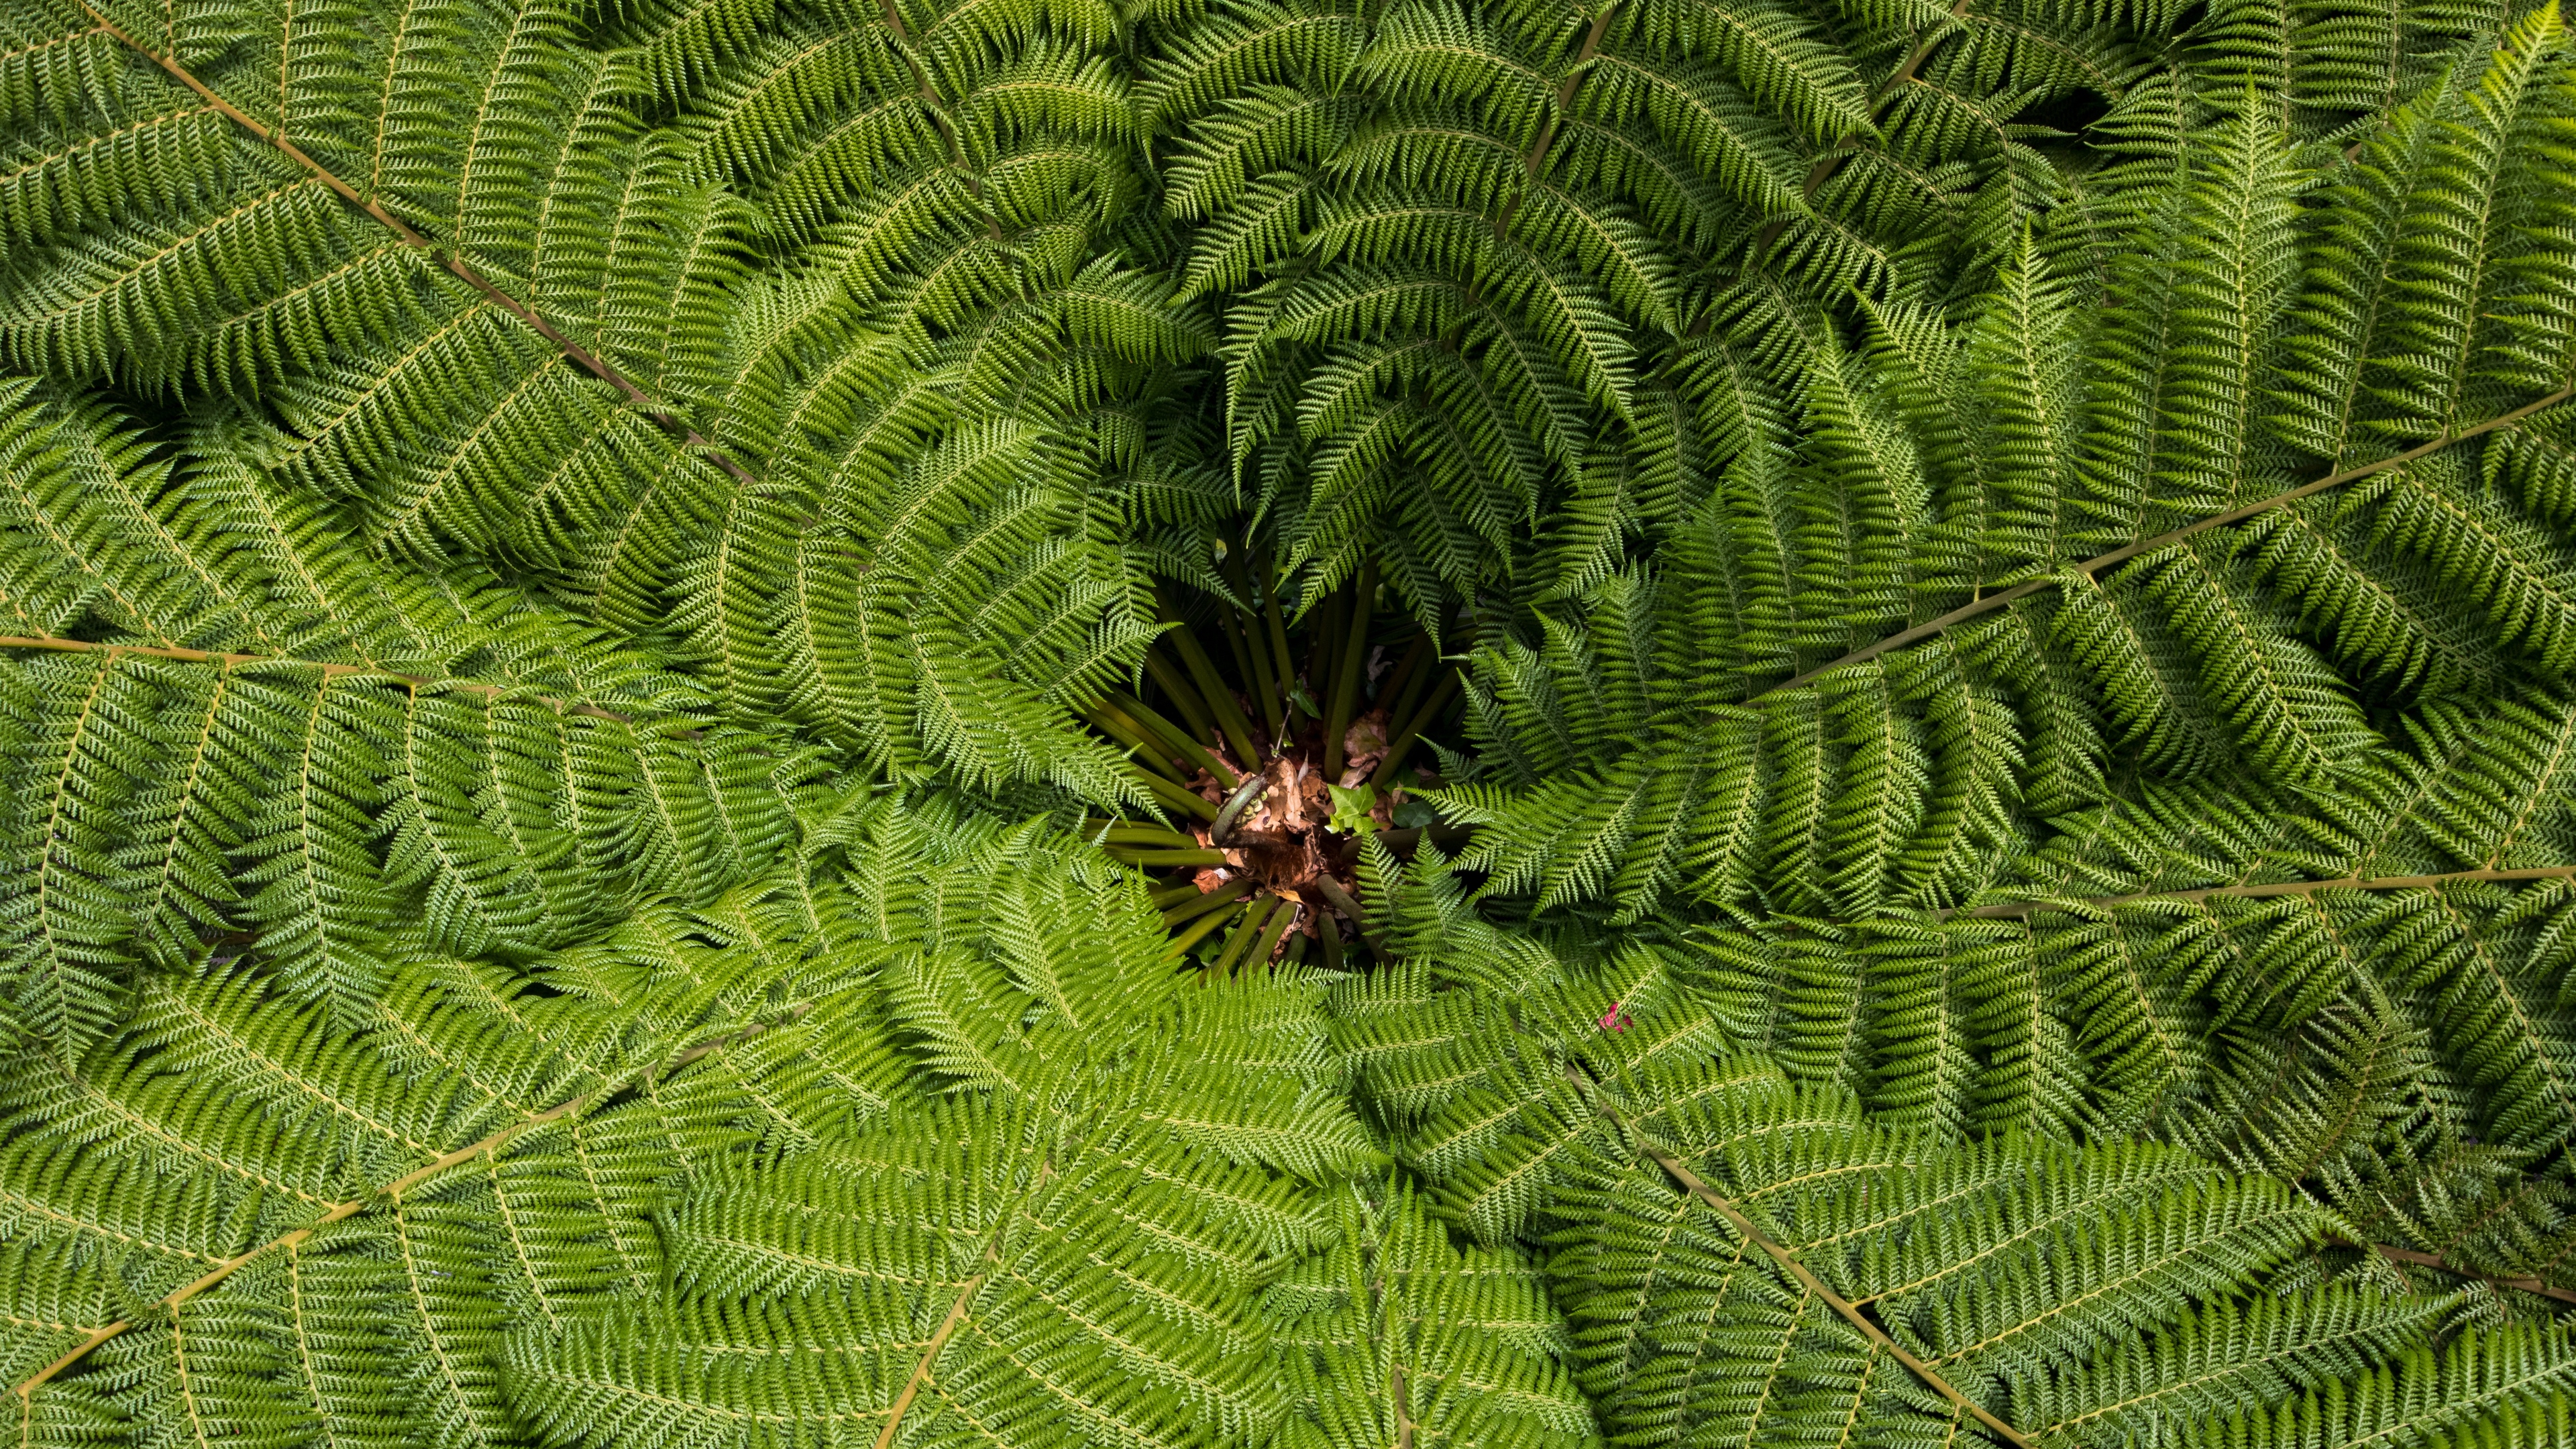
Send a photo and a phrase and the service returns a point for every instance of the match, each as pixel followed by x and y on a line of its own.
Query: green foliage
pixel 2008 839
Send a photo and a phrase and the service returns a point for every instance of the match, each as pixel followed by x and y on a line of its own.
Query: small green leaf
pixel 1351 809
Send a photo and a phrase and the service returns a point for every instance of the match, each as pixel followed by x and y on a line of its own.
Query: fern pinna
pixel 789 722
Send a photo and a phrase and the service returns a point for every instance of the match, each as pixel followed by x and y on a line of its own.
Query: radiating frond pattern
pixel 745 723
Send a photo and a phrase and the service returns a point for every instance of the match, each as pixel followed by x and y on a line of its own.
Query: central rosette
pixel 1274 772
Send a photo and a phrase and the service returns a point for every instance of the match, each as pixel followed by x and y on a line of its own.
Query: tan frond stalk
pixel 393 1190
pixel 58 645
pixel 1692 1183
pixel 1534 160
pixel 1991 602
pixel 446 257
pixel 2439 1264
pixel 2016 910
pixel 1830 162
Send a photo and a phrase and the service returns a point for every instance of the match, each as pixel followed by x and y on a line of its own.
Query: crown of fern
pixel 602 601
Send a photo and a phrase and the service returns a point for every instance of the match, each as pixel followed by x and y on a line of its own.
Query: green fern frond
pixel 598 602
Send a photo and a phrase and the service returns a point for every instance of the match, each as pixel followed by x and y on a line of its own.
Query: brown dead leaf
pixel 1282 808
pixel 1366 737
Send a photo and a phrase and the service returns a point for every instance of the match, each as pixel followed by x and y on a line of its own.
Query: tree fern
pixel 746 722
